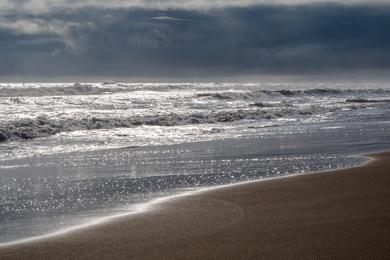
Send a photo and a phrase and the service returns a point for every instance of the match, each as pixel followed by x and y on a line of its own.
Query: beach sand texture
pixel 342 214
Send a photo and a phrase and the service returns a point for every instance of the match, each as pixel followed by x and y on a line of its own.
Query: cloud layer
pixel 49 5
pixel 229 40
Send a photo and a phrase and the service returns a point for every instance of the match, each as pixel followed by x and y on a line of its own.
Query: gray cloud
pixel 261 39
pixel 44 6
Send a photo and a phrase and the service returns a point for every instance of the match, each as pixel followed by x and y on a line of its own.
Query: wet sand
pixel 341 214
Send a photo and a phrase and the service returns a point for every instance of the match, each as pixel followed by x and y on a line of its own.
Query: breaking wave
pixel 256 94
pixel 215 105
pixel 44 126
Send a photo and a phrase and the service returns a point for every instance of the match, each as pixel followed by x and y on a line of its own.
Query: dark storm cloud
pixel 309 38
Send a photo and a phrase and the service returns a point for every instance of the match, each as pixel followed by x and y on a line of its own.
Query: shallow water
pixel 77 152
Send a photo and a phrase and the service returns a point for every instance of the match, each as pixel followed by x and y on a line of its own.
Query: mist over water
pixel 73 152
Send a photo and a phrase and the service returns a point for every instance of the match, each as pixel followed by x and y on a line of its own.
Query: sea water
pixel 72 153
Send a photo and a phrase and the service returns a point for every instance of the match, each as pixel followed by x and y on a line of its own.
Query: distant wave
pixel 58 89
pixel 256 94
pixel 261 94
pixel 44 126
pixel 63 89
pixel 262 104
pixel 229 95
pixel 315 91
pixel 331 91
pixel 363 100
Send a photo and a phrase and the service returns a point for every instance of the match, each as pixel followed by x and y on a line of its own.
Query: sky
pixel 192 38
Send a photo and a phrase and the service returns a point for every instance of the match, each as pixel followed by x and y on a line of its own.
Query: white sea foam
pixel 41 110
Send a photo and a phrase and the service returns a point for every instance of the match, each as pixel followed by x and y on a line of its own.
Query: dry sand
pixel 342 214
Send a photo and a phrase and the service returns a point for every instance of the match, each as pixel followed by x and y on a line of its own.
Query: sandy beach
pixel 342 214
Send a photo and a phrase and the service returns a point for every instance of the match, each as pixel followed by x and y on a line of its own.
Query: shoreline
pixel 156 207
pixel 149 206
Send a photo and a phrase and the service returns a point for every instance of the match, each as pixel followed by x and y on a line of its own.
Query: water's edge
pixel 151 205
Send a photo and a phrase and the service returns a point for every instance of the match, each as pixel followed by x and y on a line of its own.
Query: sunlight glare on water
pixel 73 152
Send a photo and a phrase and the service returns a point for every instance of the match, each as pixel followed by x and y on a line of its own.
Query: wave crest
pixel 44 126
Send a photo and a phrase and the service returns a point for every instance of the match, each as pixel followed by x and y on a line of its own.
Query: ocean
pixel 72 153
